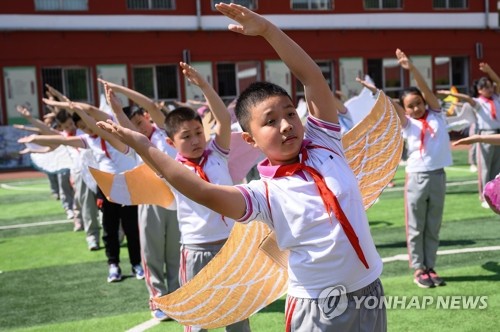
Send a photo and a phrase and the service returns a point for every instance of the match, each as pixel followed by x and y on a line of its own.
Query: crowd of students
pixel 323 224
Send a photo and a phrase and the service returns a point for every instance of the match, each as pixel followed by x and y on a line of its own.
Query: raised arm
pixel 461 96
pixel 429 97
pixel 30 129
pixel 117 108
pixel 91 110
pixel 488 139
pixel 320 99
pixel 213 196
pixel 56 93
pixel 40 125
pixel 485 68
pixel 217 107
pixel 374 90
pixel 53 140
pixel 153 108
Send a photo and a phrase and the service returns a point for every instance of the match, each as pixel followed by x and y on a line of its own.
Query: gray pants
pixel 424 203
pixel 160 245
pixel 66 191
pixel 85 201
pixel 488 160
pixel 365 311
pixel 193 258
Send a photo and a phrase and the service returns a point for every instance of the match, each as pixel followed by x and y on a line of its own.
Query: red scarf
pixel 198 167
pixel 425 128
pixel 329 200
pixel 493 109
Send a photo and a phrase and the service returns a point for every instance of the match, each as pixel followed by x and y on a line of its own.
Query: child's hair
pixel 251 96
pixel 175 118
pixel 62 116
pixel 410 91
pixel 479 84
pixel 131 111
pixel 76 118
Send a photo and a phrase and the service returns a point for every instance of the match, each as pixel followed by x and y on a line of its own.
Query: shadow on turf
pixel 489 266
pixel 443 243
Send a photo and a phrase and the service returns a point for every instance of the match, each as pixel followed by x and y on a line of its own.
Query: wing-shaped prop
pixel 137 186
pixel 250 271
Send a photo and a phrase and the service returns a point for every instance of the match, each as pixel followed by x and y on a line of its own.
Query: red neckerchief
pixel 330 201
pixel 493 109
pixel 198 167
pixel 425 128
pixel 152 132
pixel 103 145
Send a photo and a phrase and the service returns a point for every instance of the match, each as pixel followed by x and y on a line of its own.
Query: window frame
pixel 329 76
pixel 156 91
pixel 61 7
pixel 464 86
pixel 65 88
pixel 381 5
pixel 150 5
pixel 309 5
pixel 447 5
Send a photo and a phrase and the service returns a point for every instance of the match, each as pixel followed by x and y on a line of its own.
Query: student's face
pixel 69 126
pixel 83 127
pixel 143 124
pixel 414 106
pixel 276 129
pixel 189 140
pixel 487 90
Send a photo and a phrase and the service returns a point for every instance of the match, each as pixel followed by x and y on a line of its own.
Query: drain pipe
pixel 198 14
pixel 486 13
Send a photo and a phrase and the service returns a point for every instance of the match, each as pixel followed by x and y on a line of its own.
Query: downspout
pixel 198 14
pixel 486 13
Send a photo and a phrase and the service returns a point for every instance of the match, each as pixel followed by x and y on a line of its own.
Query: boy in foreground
pixel 308 194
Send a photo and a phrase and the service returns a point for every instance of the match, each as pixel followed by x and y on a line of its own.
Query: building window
pixel 327 70
pixel 387 75
pixel 150 4
pixel 233 78
pixel 73 82
pixel 61 5
pixel 450 4
pixel 157 82
pixel 312 4
pixel 383 4
pixel 250 4
pixel 451 71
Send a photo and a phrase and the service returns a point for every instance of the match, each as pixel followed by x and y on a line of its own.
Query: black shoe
pixel 423 280
pixel 437 280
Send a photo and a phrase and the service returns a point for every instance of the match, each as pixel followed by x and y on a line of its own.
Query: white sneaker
pixel 473 168
pixel 485 205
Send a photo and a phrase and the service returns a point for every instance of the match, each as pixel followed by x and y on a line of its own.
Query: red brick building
pixel 69 43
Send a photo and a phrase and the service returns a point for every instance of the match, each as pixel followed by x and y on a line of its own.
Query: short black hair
pixel 176 117
pixel 412 90
pixel 62 116
pixel 131 111
pixel 251 96
pixel 75 118
pixel 480 84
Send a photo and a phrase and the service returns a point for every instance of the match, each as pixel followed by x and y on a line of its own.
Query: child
pixel 429 152
pixel 158 227
pixel 114 157
pixel 307 193
pixel 486 104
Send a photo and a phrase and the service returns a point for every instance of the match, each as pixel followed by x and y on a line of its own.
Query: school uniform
pixel 160 238
pixel 429 152
pixel 113 161
pixel 322 254
pixel 488 123
pixel 203 231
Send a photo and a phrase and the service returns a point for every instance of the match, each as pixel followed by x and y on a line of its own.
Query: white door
pixel 20 89
pixel 424 66
pixel 349 69
pixel 278 73
pixel 193 92
pixel 113 73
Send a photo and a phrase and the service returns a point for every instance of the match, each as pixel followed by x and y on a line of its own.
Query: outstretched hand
pixel 23 111
pixel 367 85
pixel 484 67
pixel 129 137
pixel 403 60
pixel 192 75
pixel 467 140
pixel 250 23
pixel 111 97
pixel 26 139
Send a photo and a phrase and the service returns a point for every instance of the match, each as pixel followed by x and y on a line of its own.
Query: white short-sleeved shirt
pixel 197 223
pixel 483 113
pixel 436 153
pixel 159 139
pixel 321 255
pixel 107 157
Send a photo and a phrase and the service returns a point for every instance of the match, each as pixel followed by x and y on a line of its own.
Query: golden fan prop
pixel 250 271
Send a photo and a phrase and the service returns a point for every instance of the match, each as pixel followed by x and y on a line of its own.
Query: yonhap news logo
pixel 333 302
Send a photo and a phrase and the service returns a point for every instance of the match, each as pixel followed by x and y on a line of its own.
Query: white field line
pixel 144 326
pixel 449 184
pixel 404 257
pixel 9 187
pixel 34 224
